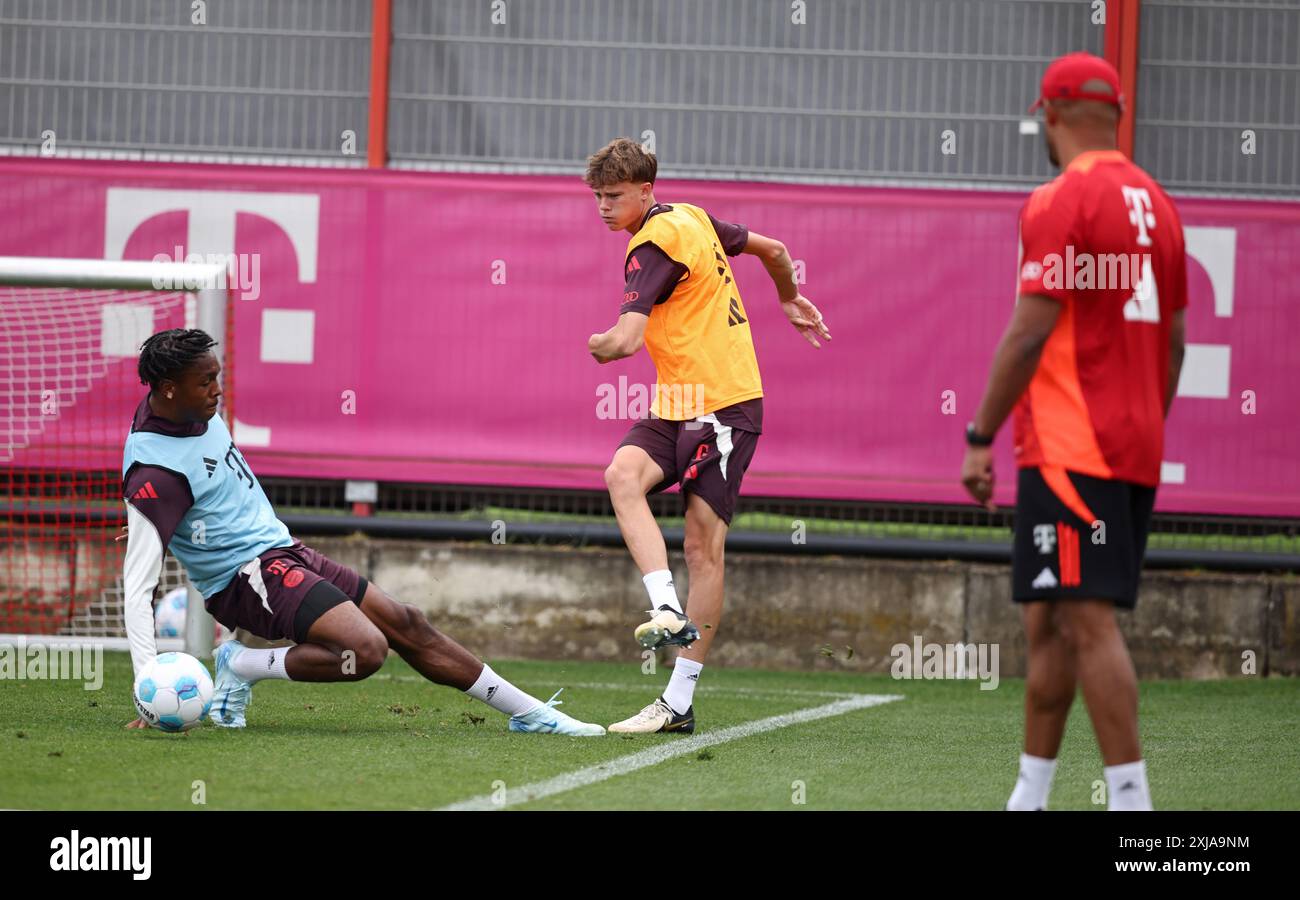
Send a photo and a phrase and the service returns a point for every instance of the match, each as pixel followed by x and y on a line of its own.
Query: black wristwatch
pixel 975 439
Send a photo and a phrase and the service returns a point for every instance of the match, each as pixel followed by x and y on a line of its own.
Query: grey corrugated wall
pixel 834 90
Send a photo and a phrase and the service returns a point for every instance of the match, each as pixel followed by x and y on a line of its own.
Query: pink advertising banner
pixel 404 326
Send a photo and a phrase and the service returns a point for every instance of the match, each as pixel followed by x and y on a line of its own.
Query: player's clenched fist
pixel 977 475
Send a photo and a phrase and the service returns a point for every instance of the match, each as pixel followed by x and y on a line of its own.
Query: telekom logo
pixel 287 334
pixel 211 227
pixel 1139 213
pixel 1207 368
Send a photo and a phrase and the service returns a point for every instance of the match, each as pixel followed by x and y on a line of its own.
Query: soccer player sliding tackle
pixel 682 303
pixel 189 489
pixel 1090 367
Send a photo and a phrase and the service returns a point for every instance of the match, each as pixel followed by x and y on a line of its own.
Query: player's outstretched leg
pixel 340 644
pixel 1049 693
pixel 346 637
pixel 443 661
pixel 706 538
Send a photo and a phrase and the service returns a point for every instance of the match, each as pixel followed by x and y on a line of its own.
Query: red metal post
pixel 1122 20
pixel 1114 14
pixel 381 34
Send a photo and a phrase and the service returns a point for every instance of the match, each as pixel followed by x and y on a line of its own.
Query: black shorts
pixel 266 596
pixel 702 455
pixel 1079 537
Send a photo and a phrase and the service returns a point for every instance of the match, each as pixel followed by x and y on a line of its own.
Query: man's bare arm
pixel 803 315
pixel 624 339
pixel 1014 362
pixel 1016 359
pixel 776 259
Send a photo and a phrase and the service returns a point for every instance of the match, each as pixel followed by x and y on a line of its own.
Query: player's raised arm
pixel 805 317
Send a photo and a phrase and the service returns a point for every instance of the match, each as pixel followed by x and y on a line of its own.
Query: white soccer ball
pixel 169 614
pixel 174 692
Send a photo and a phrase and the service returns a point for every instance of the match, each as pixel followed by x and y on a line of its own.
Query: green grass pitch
pixel 398 742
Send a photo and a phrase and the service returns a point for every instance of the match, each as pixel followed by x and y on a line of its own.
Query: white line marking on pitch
pixel 721 690
pixel 655 755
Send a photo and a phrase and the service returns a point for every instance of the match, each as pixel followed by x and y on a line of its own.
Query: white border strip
pixel 655 755
pixel 35 271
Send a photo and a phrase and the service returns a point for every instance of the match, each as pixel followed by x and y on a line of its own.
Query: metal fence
pixel 794 525
pixel 828 90
pixel 832 91
pixel 1218 100
pixel 222 80
pixel 886 91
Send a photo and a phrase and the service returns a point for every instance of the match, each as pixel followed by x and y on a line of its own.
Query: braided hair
pixel 169 353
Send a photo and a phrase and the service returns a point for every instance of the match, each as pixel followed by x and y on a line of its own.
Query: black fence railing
pixel 61 501
pixel 762 523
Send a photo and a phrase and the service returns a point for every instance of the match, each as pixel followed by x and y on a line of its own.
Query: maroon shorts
pixel 702 455
pixel 264 595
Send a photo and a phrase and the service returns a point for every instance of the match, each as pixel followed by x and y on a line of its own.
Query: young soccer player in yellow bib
pixel 682 303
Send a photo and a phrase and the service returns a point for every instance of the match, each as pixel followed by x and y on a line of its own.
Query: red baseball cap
pixel 1066 76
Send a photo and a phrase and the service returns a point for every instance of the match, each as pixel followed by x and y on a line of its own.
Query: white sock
pixel 1126 787
pixel 1033 785
pixel 681 687
pixel 660 587
pixel 501 695
pixel 255 665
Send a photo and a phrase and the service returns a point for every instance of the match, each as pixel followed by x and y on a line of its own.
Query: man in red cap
pixel 1090 362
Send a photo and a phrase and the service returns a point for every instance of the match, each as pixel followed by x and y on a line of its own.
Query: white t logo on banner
pixel 1207 367
pixel 211 229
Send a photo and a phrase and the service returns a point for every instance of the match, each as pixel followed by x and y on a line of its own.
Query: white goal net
pixel 70 334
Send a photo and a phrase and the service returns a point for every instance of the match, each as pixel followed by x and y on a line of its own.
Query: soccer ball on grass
pixel 174 692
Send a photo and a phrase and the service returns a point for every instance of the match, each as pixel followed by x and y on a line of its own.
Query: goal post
pixel 70 334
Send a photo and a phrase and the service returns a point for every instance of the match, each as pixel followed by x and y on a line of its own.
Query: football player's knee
pixel 619 477
pixel 371 651
pixel 1086 627
pixel 1059 627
